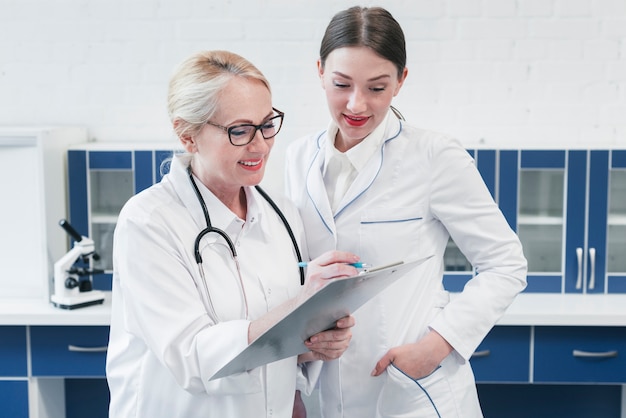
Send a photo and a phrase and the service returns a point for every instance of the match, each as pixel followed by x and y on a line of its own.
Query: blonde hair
pixel 193 94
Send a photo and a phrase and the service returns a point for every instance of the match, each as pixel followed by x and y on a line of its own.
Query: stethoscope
pixel 210 228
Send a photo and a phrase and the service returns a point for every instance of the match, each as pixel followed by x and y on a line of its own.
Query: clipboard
pixel 339 298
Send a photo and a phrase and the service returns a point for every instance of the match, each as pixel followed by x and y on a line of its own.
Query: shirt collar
pixel 221 216
pixel 360 154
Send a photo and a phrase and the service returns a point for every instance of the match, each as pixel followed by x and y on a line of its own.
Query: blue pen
pixel 358 265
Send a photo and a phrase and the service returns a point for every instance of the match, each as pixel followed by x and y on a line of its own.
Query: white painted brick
pixel 601 92
pixel 535 8
pixel 564 29
pixel 530 49
pixel 525 92
pixel 266 30
pixel 496 50
pixel 608 50
pixel 492 29
pixel 563 71
pixel 458 50
pixel 617 70
pixel 491 93
pixel 464 8
pixel 500 8
pixel 563 93
pixel 215 29
pixel 419 9
pixel 563 115
pixel 573 8
pixel 456 94
pixel 610 8
pixel 475 66
pixel 614 28
pixel 436 29
pixel 498 115
pixel 427 50
pixel 566 49
pixel 512 72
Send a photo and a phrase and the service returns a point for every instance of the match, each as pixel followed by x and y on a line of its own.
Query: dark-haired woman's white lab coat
pixel 417 190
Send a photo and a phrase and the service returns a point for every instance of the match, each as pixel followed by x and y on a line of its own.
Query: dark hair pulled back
pixel 372 27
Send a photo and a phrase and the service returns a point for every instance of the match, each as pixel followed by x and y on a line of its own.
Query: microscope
pixel 72 283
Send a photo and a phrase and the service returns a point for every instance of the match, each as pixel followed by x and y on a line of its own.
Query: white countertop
pixel 40 312
pixel 549 309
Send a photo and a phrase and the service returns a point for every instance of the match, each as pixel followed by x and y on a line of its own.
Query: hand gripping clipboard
pixel 339 298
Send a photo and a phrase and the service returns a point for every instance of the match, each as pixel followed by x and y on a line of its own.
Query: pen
pixel 358 265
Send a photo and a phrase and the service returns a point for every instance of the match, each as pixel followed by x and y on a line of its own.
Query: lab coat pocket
pixel 386 227
pixel 405 397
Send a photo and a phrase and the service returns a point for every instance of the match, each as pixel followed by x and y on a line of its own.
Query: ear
pixel 320 71
pixel 401 79
pixel 188 141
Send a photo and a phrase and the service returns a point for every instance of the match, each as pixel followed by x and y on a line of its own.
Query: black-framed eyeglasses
pixel 243 134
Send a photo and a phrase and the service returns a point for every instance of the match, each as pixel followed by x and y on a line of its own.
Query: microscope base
pixel 93 297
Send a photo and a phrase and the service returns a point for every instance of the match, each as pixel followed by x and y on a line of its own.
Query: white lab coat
pixel 419 189
pixel 165 344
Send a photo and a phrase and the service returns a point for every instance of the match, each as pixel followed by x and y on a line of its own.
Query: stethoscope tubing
pixel 210 228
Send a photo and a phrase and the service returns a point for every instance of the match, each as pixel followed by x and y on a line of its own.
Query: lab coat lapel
pixel 182 185
pixel 317 191
pixel 362 181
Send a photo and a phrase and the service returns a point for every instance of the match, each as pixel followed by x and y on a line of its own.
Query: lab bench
pixel 564 349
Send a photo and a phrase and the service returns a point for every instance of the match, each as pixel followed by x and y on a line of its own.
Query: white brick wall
pixel 494 73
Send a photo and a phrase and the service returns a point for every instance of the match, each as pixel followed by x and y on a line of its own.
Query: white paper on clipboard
pixel 340 297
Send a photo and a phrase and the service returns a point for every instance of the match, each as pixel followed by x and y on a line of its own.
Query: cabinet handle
pixel 592 268
pixel 482 353
pixel 579 257
pixel 78 349
pixel 589 354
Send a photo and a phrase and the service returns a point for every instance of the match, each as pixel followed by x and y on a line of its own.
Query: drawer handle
pixel 482 353
pixel 589 354
pixel 78 349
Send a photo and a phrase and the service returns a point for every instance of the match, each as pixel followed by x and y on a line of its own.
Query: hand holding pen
pixel 330 265
pixel 331 344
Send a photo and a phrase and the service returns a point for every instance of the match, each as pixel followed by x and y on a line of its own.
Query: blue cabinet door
pixel 580 354
pixel 69 351
pixel 616 233
pixel 531 195
pixel 14 398
pixel 13 351
pixel 503 356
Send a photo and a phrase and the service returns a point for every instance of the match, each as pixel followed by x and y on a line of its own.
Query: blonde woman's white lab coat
pixel 416 191
pixel 167 340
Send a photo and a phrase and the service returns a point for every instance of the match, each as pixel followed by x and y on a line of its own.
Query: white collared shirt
pixel 341 168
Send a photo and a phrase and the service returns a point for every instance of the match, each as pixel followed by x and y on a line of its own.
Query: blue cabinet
pixel 101 179
pixel 69 351
pixel 580 354
pixel 568 208
pixel 14 372
pixel 503 356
